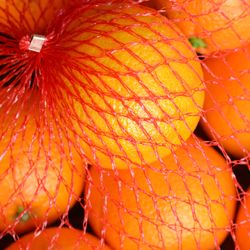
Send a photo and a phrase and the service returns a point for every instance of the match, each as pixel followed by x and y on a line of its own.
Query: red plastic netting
pixel 124 124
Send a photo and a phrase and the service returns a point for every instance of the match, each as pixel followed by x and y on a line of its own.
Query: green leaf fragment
pixel 25 216
pixel 197 42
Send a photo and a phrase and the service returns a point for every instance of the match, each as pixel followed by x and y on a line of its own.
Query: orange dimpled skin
pixel 31 15
pixel 243 223
pixel 226 108
pixel 59 239
pixel 138 84
pixel 221 24
pixel 188 202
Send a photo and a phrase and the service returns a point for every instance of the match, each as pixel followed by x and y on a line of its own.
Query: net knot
pixel 24 42
pixel 34 43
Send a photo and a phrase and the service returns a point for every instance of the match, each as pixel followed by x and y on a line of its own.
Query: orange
pixel 187 202
pixel 211 25
pixel 135 82
pixel 41 174
pixel 243 223
pixel 31 15
pixel 226 108
pixel 58 239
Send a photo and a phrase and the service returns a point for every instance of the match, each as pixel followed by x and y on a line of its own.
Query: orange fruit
pixel 137 85
pixel 58 238
pixel 243 223
pixel 226 109
pixel 187 202
pixel 41 174
pixel 211 25
pixel 31 15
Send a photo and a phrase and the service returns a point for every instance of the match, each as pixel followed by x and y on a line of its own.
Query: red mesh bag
pixel 124 124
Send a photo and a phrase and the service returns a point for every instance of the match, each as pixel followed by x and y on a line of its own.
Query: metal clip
pixel 36 43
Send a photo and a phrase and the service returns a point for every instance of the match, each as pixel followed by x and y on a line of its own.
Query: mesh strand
pixel 118 134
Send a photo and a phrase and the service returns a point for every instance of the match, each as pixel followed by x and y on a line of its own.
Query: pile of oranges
pixel 124 130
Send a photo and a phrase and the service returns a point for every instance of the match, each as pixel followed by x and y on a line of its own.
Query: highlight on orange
pixel 210 25
pixel 59 238
pixel 138 86
pixel 186 202
pixel 226 109
pixel 243 223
